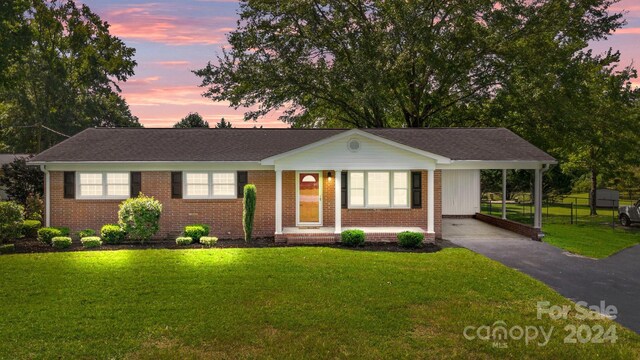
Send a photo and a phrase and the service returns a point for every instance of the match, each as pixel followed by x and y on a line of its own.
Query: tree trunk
pixel 592 193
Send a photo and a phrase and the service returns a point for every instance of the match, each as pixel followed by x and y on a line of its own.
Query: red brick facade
pixel 225 216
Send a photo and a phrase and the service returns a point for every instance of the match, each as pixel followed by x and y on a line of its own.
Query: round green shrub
pixel 139 217
pixel 65 231
pixel 61 242
pixel 30 228
pixel 45 234
pixel 196 231
pixel 86 233
pixel 208 240
pixel 91 242
pixel 10 220
pixel 184 240
pixel 352 237
pixel 410 239
pixel 112 234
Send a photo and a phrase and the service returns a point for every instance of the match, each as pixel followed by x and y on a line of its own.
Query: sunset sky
pixel 172 38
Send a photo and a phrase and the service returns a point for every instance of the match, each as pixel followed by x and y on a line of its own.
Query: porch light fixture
pixel 329 175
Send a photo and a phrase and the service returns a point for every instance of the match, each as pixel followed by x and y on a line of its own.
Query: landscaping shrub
pixel 34 207
pixel 249 210
pixel 196 231
pixel 10 220
pixel 410 239
pixel 61 242
pixel 7 248
pixel 65 231
pixel 112 234
pixel 208 240
pixel 91 242
pixel 30 228
pixel 184 240
pixel 352 237
pixel 45 234
pixel 86 233
pixel 139 217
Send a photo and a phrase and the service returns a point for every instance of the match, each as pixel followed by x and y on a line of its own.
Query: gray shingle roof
pixel 139 144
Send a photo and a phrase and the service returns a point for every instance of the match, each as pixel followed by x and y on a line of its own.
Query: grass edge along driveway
pixel 296 302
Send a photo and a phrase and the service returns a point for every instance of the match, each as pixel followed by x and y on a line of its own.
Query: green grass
pixel 594 241
pixel 297 303
pixel 591 236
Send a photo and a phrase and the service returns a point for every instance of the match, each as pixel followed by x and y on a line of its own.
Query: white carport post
pixel 504 194
pixel 278 201
pixel 430 201
pixel 537 217
pixel 338 201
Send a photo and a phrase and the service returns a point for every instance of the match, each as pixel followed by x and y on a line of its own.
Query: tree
pixel 65 77
pixel 223 124
pixel 192 120
pixel 20 181
pixel 375 63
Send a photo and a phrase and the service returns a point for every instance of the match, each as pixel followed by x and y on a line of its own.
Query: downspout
pixel 47 195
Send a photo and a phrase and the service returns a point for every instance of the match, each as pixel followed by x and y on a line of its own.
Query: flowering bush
pixel 139 217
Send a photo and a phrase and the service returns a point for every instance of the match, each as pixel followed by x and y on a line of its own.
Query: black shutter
pixel 343 189
pixel 242 180
pixel 176 184
pixel 136 183
pixel 416 189
pixel 69 184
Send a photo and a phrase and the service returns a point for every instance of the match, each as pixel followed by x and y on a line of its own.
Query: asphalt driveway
pixel 616 279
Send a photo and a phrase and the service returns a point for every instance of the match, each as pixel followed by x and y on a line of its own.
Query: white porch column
pixel 47 196
pixel 430 201
pixel 504 194
pixel 537 217
pixel 278 201
pixel 338 201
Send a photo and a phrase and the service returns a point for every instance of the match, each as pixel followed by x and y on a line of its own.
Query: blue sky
pixel 174 37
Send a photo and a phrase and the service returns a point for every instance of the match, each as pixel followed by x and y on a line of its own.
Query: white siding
pixel 371 155
pixel 460 192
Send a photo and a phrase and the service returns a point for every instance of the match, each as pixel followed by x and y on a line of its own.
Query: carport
pixel 471 229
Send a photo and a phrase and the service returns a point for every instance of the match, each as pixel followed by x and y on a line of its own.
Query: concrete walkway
pixel 616 279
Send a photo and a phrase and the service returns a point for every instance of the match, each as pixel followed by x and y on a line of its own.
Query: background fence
pixel 573 209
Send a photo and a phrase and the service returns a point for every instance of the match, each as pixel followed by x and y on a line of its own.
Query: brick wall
pixel 510 225
pixel 224 216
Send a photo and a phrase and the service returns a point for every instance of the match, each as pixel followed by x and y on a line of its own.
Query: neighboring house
pixel 6 159
pixel 311 183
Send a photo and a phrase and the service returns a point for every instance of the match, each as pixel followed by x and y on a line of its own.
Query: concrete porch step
pixel 310 239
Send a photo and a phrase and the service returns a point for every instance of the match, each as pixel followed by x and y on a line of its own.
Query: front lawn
pixel 276 303
pixel 594 241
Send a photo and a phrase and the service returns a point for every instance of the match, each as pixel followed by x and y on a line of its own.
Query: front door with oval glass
pixel 309 198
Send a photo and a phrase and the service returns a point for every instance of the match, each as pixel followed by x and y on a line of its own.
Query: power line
pixel 34 126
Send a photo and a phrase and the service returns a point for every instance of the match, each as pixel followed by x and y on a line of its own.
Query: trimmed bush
pixel 45 234
pixel 63 230
pixel 91 242
pixel 30 228
pixel 184 240
pixel 208 240
pixel 139 217
pixel 10 220
pixel 61 242
pixel 7 248
pixel 352 237
pixel 112 234
pixel 196 231
pixel 86 233
pixel 248 210
pixel 410 239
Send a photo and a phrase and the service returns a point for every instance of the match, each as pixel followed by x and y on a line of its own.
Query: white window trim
pixel 210 195
pixel 104 195
pixel 391 190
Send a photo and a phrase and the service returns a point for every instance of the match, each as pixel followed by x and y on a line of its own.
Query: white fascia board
pixel 438 158
pixel 498 164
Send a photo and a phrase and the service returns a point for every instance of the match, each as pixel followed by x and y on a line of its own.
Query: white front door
pixel 309 198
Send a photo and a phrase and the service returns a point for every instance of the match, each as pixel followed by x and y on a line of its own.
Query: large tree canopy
pixel 60 71
pixel 375 63
pixel 192 120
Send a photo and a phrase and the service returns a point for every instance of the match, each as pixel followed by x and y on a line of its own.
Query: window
pixel 103 185
pixel 207 185
pixel 378 189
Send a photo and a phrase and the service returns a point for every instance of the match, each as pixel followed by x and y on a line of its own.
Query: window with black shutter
pixel 69 185
pixel 136 183
pixel 243 179
pixel 416 189
pixel 176 184
pixel 343 188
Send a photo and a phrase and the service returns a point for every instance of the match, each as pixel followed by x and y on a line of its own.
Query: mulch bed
pixel 34 246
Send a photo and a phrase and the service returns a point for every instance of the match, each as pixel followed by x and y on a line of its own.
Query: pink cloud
pixel 628 31
pixel 173 63
pixel 156 23
pixel 165 95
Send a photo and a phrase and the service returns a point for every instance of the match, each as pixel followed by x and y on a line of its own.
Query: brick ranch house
pixel 312 183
